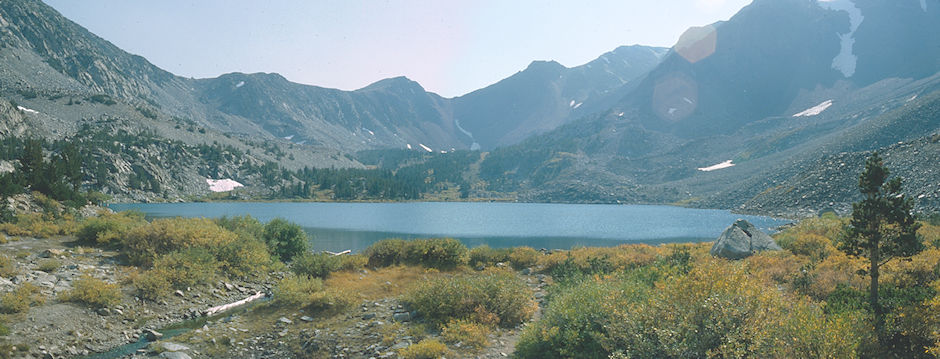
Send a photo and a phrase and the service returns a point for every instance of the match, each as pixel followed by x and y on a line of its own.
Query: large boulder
pixel 741 240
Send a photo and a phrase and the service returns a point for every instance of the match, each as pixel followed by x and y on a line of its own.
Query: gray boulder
pixel 741 240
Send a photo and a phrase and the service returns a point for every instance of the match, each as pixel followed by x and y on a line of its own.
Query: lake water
pixel 354 226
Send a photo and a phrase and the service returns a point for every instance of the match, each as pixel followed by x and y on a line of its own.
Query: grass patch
pixel 49 265
pixel 380 283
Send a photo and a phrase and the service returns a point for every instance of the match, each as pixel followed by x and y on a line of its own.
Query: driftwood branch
pixel 339 253
pixel 225 307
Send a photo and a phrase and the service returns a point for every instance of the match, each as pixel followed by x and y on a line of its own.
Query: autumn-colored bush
pixel 813 246
pixel 20 299
pixel 38 225
pixel 425 349
pixel 318 265
pixel 109 229
pixel 143 244
pixel 824 277
pixel 718 309
pixel 492 295
pixel 244 257
pixel 468 334
pixel 440 253
pixel 523 257
pixel 828 226
pixel 576 323
pixel 93 292
pixel 775 267
pixel 602 259
pixel 7 267
pixel 186 268
pixel 484 256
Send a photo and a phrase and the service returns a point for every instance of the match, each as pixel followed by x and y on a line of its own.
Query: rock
pixel 285 320
pixel 402 317
pixel 526 271
pixel 104 312
pixel 306 318
pixel 174 355
pixel 179 293
pixel 368 316
pixel 742 239
pixel 52 253
pixel 152 335
pixel 170 347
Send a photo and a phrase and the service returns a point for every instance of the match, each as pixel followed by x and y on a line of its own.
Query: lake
pixel 354 226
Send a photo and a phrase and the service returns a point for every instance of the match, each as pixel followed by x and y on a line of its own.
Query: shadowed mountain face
pixel 778 86
pixel 546 95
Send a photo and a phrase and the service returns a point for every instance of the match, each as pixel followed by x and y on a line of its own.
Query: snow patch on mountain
pixel 846 60
pixel 719 166
pixel 240 84
pixel 426 148
pixel 223 185
pixel 27 110
pixel 815 110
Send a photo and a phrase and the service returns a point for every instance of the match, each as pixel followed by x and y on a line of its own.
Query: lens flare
pixel 697 43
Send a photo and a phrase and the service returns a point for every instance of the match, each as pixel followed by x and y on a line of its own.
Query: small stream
pixel 173 330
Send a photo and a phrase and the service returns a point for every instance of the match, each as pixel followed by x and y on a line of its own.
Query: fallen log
pixel 224 307
pixel 338 253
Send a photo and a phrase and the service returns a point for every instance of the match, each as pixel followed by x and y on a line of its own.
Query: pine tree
pixel 882 228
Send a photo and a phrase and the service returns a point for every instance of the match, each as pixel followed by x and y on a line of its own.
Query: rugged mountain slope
pixel 391 113
pixel 546 95
pixel 769 91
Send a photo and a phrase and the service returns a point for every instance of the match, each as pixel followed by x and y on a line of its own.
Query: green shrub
pixel 386 252
pixel 7 268
pixel 244 257
pixel 471 335
pixel 94 292
pixel 425 349
pixel 285 239
pixel 246 225
pixel 186 268
pixel 484 256
pixel 49 265
pixel 496 297
pixel 353 262
pixel 109 229
pixel 440 253
pixel 315 265
pixel 20 299
pixel 575 324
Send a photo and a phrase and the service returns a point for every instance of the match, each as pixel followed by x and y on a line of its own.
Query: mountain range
pixel 772 111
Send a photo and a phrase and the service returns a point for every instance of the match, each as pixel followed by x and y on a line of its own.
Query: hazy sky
pixel 451 47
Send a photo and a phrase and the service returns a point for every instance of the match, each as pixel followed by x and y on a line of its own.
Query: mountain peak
pixel 542 65
pixel 393 83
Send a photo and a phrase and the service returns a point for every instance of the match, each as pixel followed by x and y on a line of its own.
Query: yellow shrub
pixel 625 256
pixel 7 267
pixel 827 227
pixel 20 299
pixel 774 267
pixel 834 270
pixel 470 334
pixel 425 349
pixel 94 292
pixel 811 245
pixel 919 271
pixel 353 262
pixel 523 257
pixel 144 243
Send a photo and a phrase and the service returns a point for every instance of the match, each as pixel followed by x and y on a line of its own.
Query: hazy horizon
pixel 450 48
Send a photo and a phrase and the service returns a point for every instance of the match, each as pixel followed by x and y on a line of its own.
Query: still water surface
pixel 341 226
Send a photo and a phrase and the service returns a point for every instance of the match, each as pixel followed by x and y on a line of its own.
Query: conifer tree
pixel 882 228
